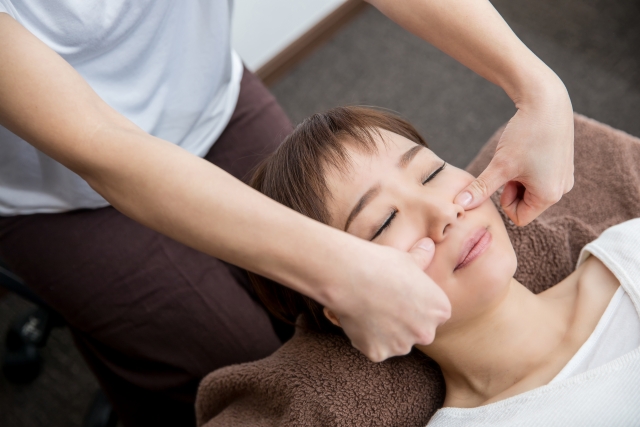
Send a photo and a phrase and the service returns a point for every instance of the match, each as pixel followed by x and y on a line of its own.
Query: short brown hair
pixel 294 175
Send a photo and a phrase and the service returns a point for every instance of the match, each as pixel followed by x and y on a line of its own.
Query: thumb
pixel 492 178
pixel 422 252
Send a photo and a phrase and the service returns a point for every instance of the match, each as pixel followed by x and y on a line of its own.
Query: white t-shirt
pixel 166 65
pixel 617 333
pixel 600 385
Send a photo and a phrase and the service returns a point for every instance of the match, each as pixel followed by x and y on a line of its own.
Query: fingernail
pixel 426 244
pixel 465 199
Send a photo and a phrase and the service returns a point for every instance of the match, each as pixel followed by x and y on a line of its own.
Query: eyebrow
pixel 362 203
pixel 405 159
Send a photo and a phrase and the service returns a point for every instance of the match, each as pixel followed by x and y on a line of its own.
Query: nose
pixel 440 216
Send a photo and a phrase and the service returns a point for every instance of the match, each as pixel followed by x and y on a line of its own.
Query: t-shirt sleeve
pixel 623 238
pixel 7 7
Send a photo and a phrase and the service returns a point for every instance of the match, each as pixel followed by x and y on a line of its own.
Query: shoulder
pixel 590 287
pixel 595 281
pixel 618 250
pixel 621 240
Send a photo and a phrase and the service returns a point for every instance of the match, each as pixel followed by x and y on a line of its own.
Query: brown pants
pixel 150 315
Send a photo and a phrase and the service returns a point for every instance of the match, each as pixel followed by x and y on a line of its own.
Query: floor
pixel 593 45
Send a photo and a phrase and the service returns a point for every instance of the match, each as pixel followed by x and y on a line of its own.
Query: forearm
pixel 194 202
pixel 474 33
pixel 47 103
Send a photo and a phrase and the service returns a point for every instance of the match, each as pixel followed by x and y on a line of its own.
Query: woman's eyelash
pixel 433 175
pixel 386 223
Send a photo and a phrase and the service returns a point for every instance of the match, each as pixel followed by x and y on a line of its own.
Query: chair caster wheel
pixel 22 362
pixel 22 365
pixel 100 412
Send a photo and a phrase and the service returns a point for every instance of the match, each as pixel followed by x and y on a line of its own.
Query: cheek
pixel 404 234
pixel 440 270
pixel 460 182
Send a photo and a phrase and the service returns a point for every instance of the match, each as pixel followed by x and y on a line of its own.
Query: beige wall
pixel 263 28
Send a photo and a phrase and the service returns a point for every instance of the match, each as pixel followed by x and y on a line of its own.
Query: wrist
pixel 351 266
pixel 349 261
pixel 321 262
pixel 534 83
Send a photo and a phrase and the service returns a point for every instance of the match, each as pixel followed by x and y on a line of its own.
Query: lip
pixel 473 247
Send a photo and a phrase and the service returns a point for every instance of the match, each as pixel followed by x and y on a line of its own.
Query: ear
pixel 331 316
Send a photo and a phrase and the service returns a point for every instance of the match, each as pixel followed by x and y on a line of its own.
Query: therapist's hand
pixel 533 159
pixel 535 155
pixel 398 305
pixel 382 295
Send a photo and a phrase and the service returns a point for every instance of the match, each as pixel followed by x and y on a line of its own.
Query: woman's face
pixel 404 193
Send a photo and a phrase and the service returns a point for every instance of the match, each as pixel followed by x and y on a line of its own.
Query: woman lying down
pixel 567 356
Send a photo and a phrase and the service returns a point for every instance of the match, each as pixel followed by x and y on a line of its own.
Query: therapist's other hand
pixel 400 305
pixel 533 159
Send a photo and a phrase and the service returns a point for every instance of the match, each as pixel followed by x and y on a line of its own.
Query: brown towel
pixel 320 380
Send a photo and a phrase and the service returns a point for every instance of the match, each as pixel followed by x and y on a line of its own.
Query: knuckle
pixel 570 183
pixel 446 313
pixel 375 354
pixel 367 351
pixel 552 195
pixel 427 337
pixel 501 164
pixel 378 356
pixel 422 257
pixel 556 195
pixel 402 348
pixel 523 221
pixel 375 358
pixel 480 186
pixel 504 167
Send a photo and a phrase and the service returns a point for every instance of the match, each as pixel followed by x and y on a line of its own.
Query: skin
pixel 475 34
pixel 501 339
pixel 48 104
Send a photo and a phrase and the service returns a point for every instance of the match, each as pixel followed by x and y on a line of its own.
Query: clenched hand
pixel 533 159
pixel 398 307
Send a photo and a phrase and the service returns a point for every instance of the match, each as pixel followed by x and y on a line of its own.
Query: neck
pixel 494 352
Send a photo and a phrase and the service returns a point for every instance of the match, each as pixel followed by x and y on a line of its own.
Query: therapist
pixel 127 127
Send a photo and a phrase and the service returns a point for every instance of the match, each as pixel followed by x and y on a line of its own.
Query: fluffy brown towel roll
pixel 320 380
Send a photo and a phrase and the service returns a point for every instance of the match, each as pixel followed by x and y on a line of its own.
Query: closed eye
pixel 390 218
pixel 433 174
pixel 385 224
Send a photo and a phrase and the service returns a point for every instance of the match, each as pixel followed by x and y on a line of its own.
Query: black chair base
pixel 100 412
pixel 22 363
pixel 22 366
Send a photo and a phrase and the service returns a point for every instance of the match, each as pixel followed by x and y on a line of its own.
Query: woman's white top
pixel 600 385
pixel 166 65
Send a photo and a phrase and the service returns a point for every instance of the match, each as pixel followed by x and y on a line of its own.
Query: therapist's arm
pixel 385 301
pixel 534 157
